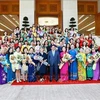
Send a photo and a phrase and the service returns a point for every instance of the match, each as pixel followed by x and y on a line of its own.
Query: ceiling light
pixel 87 25
pixel 91 29
pixel 1 30
pixel 48 21
pixel 81 17
pixel 13 18
pixel 10 15
pixel 9 20
pixel 83 20
pixel 6 27
pixel 17 22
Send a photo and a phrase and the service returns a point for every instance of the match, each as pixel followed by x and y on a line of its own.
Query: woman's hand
pixel 33 63
pixel 8 67
pixel 14 62
pixel 71 61
pixel 48 64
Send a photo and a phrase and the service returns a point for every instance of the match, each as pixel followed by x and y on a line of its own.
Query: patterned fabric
pixel 89 69
pixel 81 69
pixel 73 66
pixel 3 77
pixel 64 69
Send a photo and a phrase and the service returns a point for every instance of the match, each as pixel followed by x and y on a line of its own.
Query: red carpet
pixel 47 82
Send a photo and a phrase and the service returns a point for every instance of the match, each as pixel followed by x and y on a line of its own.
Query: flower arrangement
pixel 40 58
pixel 90 59
pixel 37 57
pixel 2 58
pixel 19 58
pixel 65 58
pixel 12 57
pixel 96 57
pixel 4 63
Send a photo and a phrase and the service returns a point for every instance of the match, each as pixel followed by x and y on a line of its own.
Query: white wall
pixel 27 8
pixel 99 6
pixel 69 10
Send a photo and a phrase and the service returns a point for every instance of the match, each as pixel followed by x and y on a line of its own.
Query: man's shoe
pixel 50 80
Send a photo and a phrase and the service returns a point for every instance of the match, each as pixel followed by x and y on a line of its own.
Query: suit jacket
pixel 53 60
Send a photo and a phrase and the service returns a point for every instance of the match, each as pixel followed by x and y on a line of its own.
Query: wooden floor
pixel 53 92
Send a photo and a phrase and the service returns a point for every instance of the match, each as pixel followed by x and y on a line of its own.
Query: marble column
pixel 98 6
pixel 27 8
pixel 70 9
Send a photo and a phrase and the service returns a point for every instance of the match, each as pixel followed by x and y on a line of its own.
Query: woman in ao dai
pixel 3 74
pixel 96 70
pixel 73 70
pixel 81 68
pixel 64 69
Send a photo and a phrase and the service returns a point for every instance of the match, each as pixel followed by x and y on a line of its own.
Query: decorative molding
pixel 4 8
pixel 9 7
pixel 48 6
pixel 15 8
pixel 53 8
pixel 81 8
pixel 42 7
pixel 87 7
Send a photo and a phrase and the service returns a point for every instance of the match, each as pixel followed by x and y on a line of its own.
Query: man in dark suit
pixel 54 61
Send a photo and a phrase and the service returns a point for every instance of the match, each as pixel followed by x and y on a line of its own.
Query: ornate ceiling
pixel 8 23
pixel 86 23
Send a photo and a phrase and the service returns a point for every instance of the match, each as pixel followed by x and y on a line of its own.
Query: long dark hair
pixel 10 53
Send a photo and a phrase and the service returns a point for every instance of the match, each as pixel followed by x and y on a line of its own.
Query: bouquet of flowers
pixel 37 57
pixel 80 59
pixel 12 57
pixel 45 63
pixel 2 58
pixel 4 63
pixel 96 57
pixel 65 58
pixel 90 59
pixel 19 58
pixel 40 58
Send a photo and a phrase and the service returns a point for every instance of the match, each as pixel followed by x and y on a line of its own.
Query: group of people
pixel 30 54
